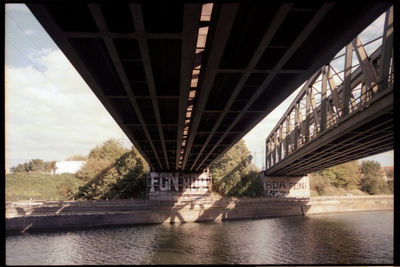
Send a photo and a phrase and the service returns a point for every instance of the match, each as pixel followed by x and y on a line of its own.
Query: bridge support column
pixel 286 186
pixel 178 186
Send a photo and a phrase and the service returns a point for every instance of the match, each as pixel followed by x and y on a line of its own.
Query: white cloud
pixel 17 7
pixel 52 114
pixel 374 30
pixel 29 32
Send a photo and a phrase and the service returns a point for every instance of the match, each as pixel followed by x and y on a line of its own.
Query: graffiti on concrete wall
pixel 275 193
pixel 179 182
pixel 283 187
pixel 275 189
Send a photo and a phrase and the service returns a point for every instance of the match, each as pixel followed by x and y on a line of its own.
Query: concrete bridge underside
pixel 186 81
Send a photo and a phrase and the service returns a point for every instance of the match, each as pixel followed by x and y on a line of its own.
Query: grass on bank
pixel 38 186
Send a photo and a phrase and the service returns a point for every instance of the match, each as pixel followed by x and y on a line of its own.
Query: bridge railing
pixel 338 90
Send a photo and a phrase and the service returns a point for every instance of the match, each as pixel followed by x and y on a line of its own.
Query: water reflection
pixel 322 237
pixel 191 243
pixel 357 238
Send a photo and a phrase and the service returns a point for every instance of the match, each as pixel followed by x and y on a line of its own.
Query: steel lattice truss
pixel 186 81
pixel 343 112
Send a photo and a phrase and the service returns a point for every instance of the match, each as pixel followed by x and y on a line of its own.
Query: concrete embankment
pixel 45 216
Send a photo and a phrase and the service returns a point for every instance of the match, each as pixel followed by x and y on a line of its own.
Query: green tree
pixel 346 175
pixel 234 175
pixel 76 158
pixel 18 168
pixel 319 183
pixel 372 181
pixel 337 179
pixel 112 172
pixel 111 149
pixel 371 168
pixel 390 186
pixel 26 167
pixel 36 165
pixel 374 185
pixel 49 165
pixel 100 158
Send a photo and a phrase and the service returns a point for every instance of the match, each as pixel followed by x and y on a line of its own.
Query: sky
pixel 50 112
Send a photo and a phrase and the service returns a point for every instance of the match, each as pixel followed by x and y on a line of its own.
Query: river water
pixel 345 238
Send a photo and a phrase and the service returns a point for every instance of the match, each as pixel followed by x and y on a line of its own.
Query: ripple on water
pixel 351 238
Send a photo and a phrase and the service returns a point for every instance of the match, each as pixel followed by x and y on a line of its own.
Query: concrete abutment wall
pixel 217 210
pixel 179 186
pixel 286 186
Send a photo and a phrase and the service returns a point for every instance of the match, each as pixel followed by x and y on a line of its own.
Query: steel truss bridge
pixel 343 112
pixel 186 81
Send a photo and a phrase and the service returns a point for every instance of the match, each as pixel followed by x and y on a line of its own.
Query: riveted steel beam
pixel 354 102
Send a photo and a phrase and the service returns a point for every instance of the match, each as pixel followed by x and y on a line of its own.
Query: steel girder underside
pixel 186 81
pixel 343 112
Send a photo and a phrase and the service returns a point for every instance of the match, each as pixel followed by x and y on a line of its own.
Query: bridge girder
pixel 354 118
pixel 186 81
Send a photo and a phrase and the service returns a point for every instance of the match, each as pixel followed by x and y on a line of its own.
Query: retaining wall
pixel 67 215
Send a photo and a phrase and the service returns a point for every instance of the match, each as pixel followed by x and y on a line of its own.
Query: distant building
pixel 388 171
pixel 68 166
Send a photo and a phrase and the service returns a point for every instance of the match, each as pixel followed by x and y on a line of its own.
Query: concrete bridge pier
pixel 179 186
pixel 286 186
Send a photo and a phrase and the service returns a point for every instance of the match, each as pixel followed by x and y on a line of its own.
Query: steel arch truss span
pixel 343 112
pixel 186 81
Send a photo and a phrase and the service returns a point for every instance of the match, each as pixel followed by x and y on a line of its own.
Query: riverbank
pixel 58 215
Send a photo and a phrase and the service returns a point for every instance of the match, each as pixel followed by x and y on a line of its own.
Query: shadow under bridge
pixel 186 81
